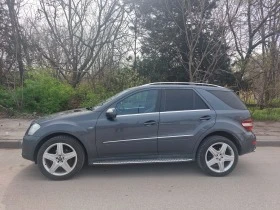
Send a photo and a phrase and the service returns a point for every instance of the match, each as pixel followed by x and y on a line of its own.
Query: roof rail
pixel 183 83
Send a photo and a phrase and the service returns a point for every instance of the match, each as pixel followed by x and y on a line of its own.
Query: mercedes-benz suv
pixel 153 123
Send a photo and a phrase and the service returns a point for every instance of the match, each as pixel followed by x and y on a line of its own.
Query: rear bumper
pixel 29 145
pixel 248 144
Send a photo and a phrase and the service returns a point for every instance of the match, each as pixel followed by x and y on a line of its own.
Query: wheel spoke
pixel 221 165
pixel 49 156
pixel 69 155
pixel 59 149
pixel 213 150
pixel 223 148
pixel 54 167
pixel 228 158
pixel 211 162
pixel 66 166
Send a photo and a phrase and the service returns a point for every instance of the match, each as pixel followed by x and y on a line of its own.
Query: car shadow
pixel 32 173
pixel 189 169
pixel 138 170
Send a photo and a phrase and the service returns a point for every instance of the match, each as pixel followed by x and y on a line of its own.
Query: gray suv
pixel 153 123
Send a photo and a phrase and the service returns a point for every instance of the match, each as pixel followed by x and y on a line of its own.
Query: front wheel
pixel 60 158
pixel 217 156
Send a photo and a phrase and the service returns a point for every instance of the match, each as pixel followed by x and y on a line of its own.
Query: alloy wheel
pixel 59 159
pixel 219 157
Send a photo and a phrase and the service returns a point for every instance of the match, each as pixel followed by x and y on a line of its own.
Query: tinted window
pixel 141 102
pixel 182 99
pixel 199 103
pixel 229 98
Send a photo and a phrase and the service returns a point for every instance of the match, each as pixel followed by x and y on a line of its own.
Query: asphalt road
pixel 255 184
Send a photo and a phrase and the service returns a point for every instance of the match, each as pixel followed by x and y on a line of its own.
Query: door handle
pixel 150 123
pixel 204 118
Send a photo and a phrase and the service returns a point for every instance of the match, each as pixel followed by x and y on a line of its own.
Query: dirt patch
pixel 267 128
pixel 13 129
pixel 3 115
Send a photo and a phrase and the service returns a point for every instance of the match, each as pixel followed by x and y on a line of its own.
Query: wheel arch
pixel 46 138
pixel 225 134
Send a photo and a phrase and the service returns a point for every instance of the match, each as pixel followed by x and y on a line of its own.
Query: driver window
pixel 141 102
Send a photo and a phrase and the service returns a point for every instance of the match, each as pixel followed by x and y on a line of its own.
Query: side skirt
pixel 140 161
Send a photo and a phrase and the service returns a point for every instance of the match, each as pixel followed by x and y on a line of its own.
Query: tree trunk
pixel 16 38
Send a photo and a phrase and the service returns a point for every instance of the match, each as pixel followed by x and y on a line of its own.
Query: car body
pixel 157 122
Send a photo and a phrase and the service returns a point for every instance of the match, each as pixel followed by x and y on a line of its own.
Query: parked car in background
pixel 153 123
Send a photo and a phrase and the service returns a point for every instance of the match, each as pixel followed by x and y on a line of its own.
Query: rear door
pixel 184 116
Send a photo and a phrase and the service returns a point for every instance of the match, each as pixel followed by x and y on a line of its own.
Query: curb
pixel 268 144
pixel 17 144
pixel 10 144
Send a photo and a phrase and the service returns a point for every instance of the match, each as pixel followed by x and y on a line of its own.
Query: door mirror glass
pixel 111 113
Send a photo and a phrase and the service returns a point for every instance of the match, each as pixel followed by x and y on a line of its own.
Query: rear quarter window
pixel 229 98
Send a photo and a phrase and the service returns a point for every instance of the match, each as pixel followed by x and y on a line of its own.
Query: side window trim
pixel 125 115
pixel 191 110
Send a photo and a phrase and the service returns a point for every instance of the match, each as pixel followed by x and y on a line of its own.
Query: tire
pixel 217 156
pixel 60 158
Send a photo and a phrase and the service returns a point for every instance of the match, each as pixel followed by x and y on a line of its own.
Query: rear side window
pixel 181 99
pixel 229 98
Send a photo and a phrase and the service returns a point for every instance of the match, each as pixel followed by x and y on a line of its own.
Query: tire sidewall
pixel 67 140
pixel 203 149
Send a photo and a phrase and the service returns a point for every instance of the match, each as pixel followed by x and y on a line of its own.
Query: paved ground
pixel 253 185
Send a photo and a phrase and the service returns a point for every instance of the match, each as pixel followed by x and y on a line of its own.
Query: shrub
pixel 269 114
pixel 6 98
pixel 122 79
pixel 275 102
pixel 89 96
pixel 44 94
pixel 111 83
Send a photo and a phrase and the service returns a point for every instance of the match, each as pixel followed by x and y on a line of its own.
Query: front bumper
pixel 29 145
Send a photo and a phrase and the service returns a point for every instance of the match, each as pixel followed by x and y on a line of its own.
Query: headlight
pixel 33 129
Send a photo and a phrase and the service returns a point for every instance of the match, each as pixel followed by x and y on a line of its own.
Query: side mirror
pixel 111 113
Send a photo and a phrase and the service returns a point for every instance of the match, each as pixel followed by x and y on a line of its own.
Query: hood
pixel 69 115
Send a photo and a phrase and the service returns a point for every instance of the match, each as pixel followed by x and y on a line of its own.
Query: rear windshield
pixel 229 98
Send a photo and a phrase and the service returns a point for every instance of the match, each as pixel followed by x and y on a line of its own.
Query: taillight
pixel 248 124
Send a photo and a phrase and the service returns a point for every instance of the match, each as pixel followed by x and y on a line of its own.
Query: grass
pixel 267 114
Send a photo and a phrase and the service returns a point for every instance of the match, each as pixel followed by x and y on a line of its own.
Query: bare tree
pixel 266 84
pixel 77 34
pixel 11 43
pixel 16 36
pixel 203 32
pixel 135 27
pixel 248 22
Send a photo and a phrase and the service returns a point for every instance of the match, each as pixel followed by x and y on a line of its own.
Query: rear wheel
pixel 217 156
pixel 60 158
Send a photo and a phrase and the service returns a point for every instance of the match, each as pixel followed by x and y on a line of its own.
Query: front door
pixel 134 131
pixel 184 117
